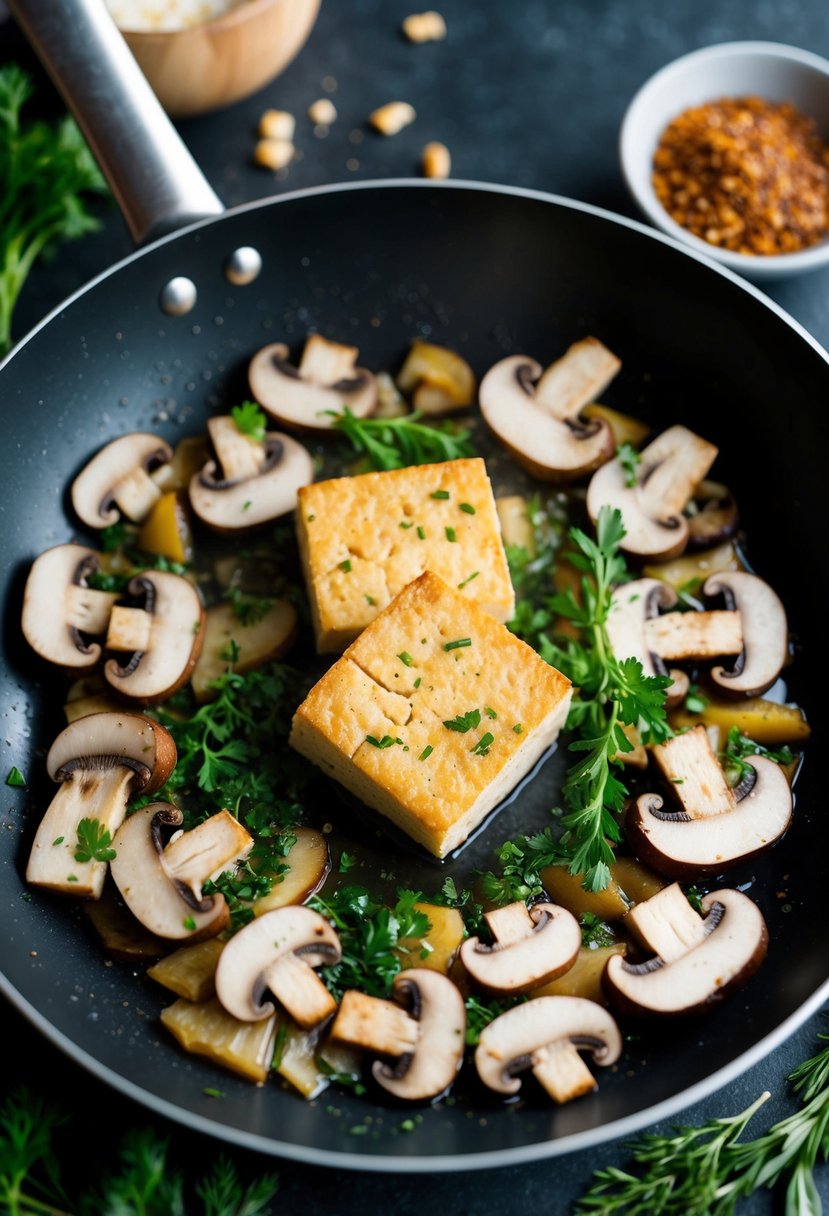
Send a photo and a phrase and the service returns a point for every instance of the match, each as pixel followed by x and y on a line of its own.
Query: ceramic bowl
pixel 769 70
pixel 217 62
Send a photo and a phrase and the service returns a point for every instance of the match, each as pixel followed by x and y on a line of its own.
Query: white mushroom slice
pixel 765 633
pixel 162 904
pixel 60 612
pixel 633 607
pixel 250 482
pixel 257 643
pixel 694 635
pixel 164 637
pixel 689 765
pixel 439 1012
pixel 326 381
pixel 278 952
pixel 101 761
pixel 720 956
pixel 192 858
pixel 117 480
pixel 579 377
pixel 546 1035
pixel 545 433
pixel 668 472
pixel 687 847
pixel 439 380
pixel 531 948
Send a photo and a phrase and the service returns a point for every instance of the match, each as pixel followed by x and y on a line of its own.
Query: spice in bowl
pixel 745 174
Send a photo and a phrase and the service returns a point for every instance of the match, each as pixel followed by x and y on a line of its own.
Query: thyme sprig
pixel 394 443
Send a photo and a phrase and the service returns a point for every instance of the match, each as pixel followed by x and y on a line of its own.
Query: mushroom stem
pixel 695 774
pixel 375 1024
pixel 509 924
pixel 130 629
pixel 88 610
pixel 562 1071
pixel 239 455
pixel 206 851
pixel 694 635
pixel 299 989
pixel 100 794
pixel 666 924
pixel 136 494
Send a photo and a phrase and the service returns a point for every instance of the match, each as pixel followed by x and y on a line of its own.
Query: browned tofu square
pixel 363 539
pixel 433 714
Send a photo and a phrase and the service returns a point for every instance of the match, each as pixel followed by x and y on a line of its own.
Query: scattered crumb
pixel 392 117
pixel 425 27
pixel 436 160
pixel 323 112
pixel 277 124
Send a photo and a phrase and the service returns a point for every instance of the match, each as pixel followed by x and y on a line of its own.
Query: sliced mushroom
pixel 716 827
pixel 531 947
pixel 101 762
pixel 164 638
pixel 439 380
pixel 668 472
pixel 546 1035
pixel 250 482
pixel 535 414
pixel 427 1041
pixel 117 481
pixel 764 629
pixel 326 381
pixel 633 608
pixel 278 952
pixel 60 612
pixel 163 887
pixel 697 963
pixel 714 517
pixel 251 645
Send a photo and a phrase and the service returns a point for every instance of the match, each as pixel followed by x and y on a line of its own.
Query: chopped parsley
pixel 345 566
pixel 595 933
pixel 442 494
pixel 451 534
pixel 464 722
pixel 483 745
pixel 458 644
pixel 468 579
pixel 421 532
pixel 518 728
pixel 347 862
pixel 490 712
pixel 94 841
pixel 386 741
pixel 695 702
pixel 629 459
pixel 371 600
pixel 396 443
pixel 406 524
pixel 248 609
pixel 189 923
pixel 250 420
pixel 521 860
pixel 405 658
pixel 426 753
pixel 735 756
pixel 15 778
pixel 467 508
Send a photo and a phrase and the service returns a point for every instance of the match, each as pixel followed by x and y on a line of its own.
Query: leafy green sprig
pixel 737 753
pixel 705 1171
pixel 522 859
pixel 94 842
pixel 47 173
pixel 250 420
pixel 395 443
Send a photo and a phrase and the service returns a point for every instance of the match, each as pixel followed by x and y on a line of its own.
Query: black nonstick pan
pixel 163 339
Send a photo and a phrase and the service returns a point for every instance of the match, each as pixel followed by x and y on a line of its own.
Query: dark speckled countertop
pixel 529 93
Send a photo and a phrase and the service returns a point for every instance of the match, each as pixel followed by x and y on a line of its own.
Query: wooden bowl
pixel 217 62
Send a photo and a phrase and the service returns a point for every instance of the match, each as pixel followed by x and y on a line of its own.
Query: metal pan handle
pixel 156 182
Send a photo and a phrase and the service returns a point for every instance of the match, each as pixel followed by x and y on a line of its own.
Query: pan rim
pixel 517 1155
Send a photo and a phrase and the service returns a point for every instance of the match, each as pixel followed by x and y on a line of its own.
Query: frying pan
pixel 488 271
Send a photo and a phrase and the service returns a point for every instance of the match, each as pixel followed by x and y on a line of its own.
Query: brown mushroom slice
pixel 250 482
pixel 668 472
pixel 164 638
pixel 439 380
pixel 546 1035
pixel 535 414
pixel 116 481
pixel 60 612
pixel 101 762
pixel 257 643
pixel 167 904
pixel 714 518
pixel 697 963
pixel 120 934
pixel 633 608
pixel 688 846
pixel 531 947
pixel 765 633
pixel 426 1042
pixel 278 952
pixel 326 381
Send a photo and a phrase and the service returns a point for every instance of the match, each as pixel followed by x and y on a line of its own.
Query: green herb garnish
pixel 395 443
pixel 483 745
pixel 15 778
pixel 386 741
pixel 468 579
pixel 458 644
pixel 94 841
pixel 736 754
pixel 451 535
pixel 441 494
pixel 250 420
pixel 345 566
pixel 405 658
pixel 467 508
pixel 629 459
pixel 426 753
pixel 464 722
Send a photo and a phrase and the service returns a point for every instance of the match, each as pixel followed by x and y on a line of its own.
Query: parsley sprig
pixel 374 937
pixel 522 859
pixel 612 692
pixel 395 443
pixel 705 1171
pixel 250 420
pixel 737 753
pixel 94 841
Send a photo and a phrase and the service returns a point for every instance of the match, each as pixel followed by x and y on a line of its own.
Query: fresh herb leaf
pixel 250 420
pixel 469 578
pixel 405 658
pixel 479 1013
pixel 695 702
pixel 396 443
pixel 522 859
pixel 386 741
pixel 630 460
pixel 426 753
pixel 464 722
pixel 15 778
pixel 248 609
pixel 94 841
pixel 735 756
pixel 451 534
pixel 595 933
pixel 483 745
pixel 457 644
pixel 467 508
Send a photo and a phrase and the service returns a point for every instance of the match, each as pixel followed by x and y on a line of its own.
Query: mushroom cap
pixel 630 606
pixel 92 489
pixel 439 1009
pixel 508 1044
pixel 107 740
pixel 230 506
pixel 765 633
pixel 680 847
pixel 645 536
pixel 304 404
pixel 548 950
pixel 552 448
pixel 147 889
pixel 242 973
pixel 176 639
pixel 735 944
pixel 58 608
